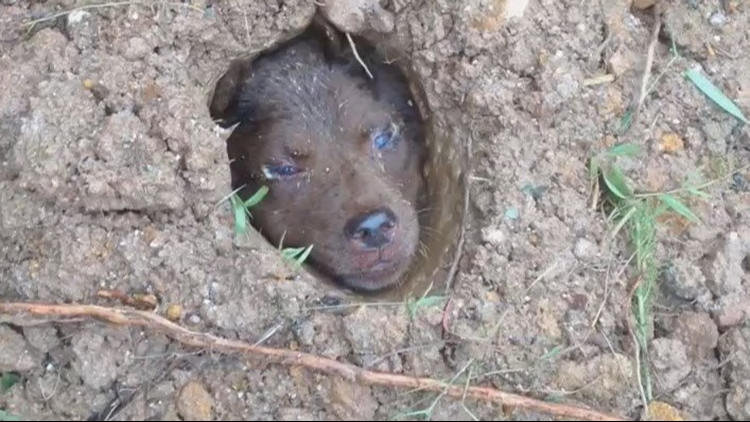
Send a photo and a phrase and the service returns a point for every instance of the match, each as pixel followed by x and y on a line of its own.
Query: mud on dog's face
pixel 343 168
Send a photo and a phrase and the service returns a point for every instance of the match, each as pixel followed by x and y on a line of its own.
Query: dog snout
pixel 372 230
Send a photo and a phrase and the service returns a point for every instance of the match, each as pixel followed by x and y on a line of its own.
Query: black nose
pixel 372 230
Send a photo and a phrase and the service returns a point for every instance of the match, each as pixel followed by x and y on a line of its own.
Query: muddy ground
pixel 111 170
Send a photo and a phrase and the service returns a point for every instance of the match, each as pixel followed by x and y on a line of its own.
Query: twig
pixel 463 398
pixel 356 54
pixel 109 4
pixel 637 345
pixel 649 62
pixel 462 234
pixel 129 317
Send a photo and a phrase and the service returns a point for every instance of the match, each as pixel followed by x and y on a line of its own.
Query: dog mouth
pixel 377 276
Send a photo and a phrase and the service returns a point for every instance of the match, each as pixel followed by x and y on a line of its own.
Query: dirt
pixel 112 176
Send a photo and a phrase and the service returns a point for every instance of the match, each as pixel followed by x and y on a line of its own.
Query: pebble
pixel 584 249
pixel 194 403
pixel 718 19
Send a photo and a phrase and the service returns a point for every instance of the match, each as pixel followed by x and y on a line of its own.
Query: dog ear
pixel 329 37
pixel 224 107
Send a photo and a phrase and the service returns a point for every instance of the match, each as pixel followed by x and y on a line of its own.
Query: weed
pixel 637 214
pixel 296 255
pixel 711 91
pixel 241 211
pixel 7 381
pixel 414 306
pixel 5 416
pixel 426 413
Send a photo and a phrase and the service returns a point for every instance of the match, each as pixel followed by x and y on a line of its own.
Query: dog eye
pixel 384 139
pixel 280 171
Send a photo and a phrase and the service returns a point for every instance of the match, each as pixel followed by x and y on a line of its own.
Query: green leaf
pixel 715 94
pixel 699 193
pixel 240 215
pixel 616 183
pixel 7 381
pixel 677 206
pixel 291 253
pixel 552 353
pixel 301 258
pixel 512 213
pixel 624 220
pixel 257 197
pixel 424 302
pixel 626 121
pixel 593 169
pixel 5 416
pixel 625 150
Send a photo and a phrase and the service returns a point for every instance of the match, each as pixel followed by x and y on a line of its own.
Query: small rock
pixel 734 346
pixel 15 353
pixel 98 360
pixel 76 17
pixel 685 280
pixel 718 19
pixel 493 236
pixel 733 314
pixel 643 4
pixel 43 338
pixel 351 401
pixel 660 411
pixel 194 403
pixel 295 414
pixel 699 332
pixel 357 16
pixel 671 142
pixel 137 49
pixel 174 312
pixel 738 401
pixel 604 378
pixel 584 249
pixel 372 333
pixel 723 266
pixel 670 362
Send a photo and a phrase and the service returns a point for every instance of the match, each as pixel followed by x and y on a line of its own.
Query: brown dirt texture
pixel 112 176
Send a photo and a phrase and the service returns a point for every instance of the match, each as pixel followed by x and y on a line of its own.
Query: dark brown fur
pixel 304 106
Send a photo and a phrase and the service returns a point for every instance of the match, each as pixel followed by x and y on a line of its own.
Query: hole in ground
pixel 342 153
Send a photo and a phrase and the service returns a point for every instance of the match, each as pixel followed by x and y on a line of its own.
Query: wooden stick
pixel 151 321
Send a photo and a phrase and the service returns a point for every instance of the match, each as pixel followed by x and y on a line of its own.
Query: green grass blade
pixel 625 150
pixel 593 169
pixel 5 416
pixel 552 353
pixel 291 253
pixel 623 221
pixel 616 183
pixel 257 197
pixel 240 215
pixel 715 94
pixel 677 206
pixel 303 256
pixel 699 193
pixel 7 381
pixel 626 121
pixel 425 302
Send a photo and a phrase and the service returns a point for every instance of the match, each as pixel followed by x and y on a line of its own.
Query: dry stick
pixel 637 346
pixel 462 234
pixel 129 317
pixel 356 54
pixel 649 61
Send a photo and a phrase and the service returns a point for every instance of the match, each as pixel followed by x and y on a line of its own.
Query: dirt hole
pixel 283 122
